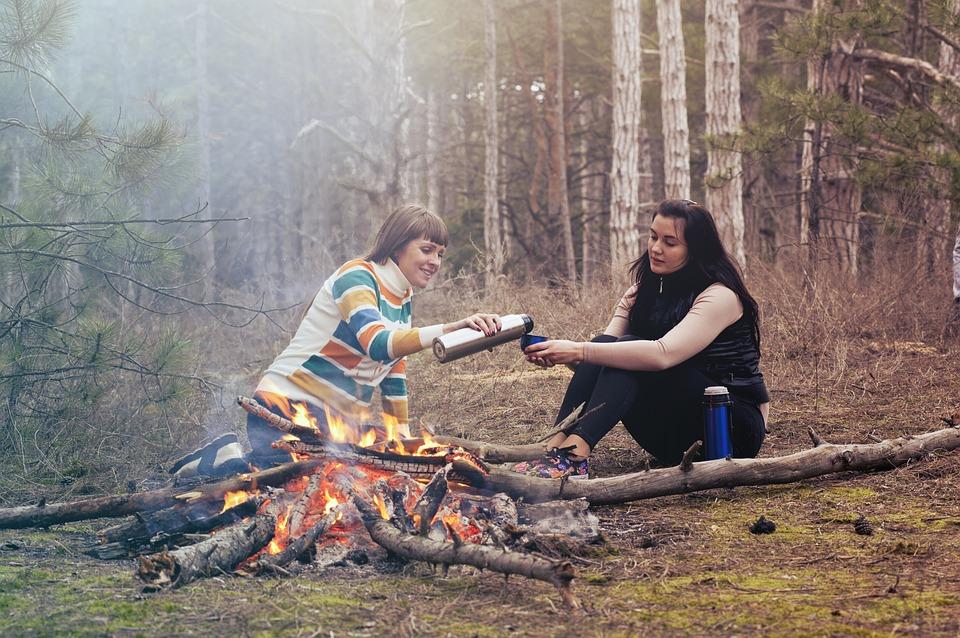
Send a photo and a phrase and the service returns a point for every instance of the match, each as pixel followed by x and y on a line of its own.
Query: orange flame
pixel 340 430
pixel 280 534
pixel 368 438
pixel 232 499
pixel 301 416
pixel 382 506
pixel 395 432
pixel 331 501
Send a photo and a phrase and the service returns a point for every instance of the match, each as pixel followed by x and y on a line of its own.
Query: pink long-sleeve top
pixel 713 310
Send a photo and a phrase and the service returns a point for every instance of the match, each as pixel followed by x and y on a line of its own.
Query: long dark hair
pixel 706 256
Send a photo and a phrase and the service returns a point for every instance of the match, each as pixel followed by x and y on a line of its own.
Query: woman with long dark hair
pixel 687 323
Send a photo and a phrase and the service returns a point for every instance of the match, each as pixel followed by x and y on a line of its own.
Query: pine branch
pixel 922 66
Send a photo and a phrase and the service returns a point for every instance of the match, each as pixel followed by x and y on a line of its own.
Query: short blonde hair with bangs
pixel 405 224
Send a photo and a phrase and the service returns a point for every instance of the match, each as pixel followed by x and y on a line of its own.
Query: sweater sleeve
pixel 355 293
pixel 620 322
pixel 393 392
pixel 713 310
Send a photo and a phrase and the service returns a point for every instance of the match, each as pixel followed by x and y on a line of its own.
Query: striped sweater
pixel 353 339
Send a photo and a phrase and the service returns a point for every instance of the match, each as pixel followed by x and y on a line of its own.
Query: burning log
pixel 429 502
pixel 46 514
pixel 284 425
pixel 294 549
pixel 490 452
pixel 825 458
pixel 301 508
pixel 412 547
pixel 219 554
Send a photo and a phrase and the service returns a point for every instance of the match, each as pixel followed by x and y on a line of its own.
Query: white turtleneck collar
pixel 393 277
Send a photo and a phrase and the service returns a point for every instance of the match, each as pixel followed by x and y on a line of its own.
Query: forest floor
pixel 679 565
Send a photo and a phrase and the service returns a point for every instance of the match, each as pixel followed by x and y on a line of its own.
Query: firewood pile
pixel 435 499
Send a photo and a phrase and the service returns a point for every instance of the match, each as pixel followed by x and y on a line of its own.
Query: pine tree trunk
pixel 950 64
pixel 831 198
pixel 759 229
pixel 587 205
pixel 435 114
pixel 627 138
pixel 942 208
pixel 558 204
pixel 208 245
pixel 492 241
pixel 673 101
pixel 724 164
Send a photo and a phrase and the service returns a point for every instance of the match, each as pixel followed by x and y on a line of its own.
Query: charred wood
pixel 429 502
pixel 180 525
pixel 412 547
pixel 295 549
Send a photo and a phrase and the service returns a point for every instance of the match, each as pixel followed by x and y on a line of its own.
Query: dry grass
pixel 853 361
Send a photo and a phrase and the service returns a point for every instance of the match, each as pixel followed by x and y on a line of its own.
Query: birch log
pixel 823 459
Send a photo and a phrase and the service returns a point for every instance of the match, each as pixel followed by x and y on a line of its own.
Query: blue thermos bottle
pixel 717 422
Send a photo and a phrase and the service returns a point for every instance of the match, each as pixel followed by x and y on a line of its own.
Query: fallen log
pixel 824 458
pixel 413 547
pixel 219 554
pixel 152 531
pixel 46 514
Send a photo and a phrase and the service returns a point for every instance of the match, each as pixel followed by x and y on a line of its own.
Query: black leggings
pixel 661 410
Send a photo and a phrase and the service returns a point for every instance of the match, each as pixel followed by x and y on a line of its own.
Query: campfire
pixel 348 492
pixel 354 488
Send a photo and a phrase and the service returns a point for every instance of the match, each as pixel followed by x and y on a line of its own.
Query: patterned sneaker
pixel 556 463
pixel 221 457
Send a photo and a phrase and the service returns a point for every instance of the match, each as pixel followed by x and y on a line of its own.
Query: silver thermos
pixel 466 341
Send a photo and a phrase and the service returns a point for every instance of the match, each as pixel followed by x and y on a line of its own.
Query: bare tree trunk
pixel 830 195
pixel 492 241
pixel 558 203
pixel 942 208
pixel 203 130
pixel 435 115
pixel 724 184
pixel 673 101
pixel 627 137
pixel 760 230
pixel 588 203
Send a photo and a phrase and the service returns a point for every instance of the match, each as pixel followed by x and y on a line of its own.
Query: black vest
pixel 732 359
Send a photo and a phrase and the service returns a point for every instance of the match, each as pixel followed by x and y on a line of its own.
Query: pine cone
pixel 862 526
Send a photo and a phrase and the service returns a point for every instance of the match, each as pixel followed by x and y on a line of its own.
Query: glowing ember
pixel 232 499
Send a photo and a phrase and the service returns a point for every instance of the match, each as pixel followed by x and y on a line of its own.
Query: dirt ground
pixel 679 565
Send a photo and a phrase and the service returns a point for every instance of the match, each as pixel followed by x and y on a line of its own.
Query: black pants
pixel 661 410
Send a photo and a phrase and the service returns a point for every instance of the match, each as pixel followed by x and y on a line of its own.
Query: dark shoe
pixel 556 463
pixel 221 457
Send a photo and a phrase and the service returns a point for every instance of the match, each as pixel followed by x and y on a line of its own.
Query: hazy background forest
pixel 177 176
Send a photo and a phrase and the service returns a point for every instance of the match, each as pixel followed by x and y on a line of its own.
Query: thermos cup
pixel 717 422
pixel 466 341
